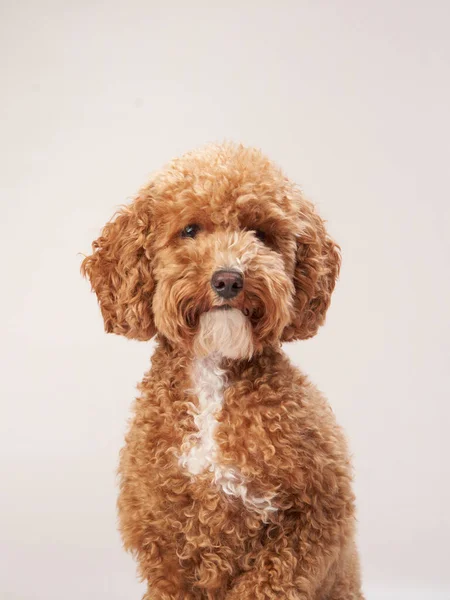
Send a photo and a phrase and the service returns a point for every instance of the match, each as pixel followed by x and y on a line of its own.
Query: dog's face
pixel 220 253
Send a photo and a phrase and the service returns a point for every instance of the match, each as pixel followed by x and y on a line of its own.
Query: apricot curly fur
pixel 191 540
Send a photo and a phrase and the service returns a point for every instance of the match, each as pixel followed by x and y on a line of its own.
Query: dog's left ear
pixel 318 261
pixel 120 271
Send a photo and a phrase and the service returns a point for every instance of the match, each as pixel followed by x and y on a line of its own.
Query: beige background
pixel 352 98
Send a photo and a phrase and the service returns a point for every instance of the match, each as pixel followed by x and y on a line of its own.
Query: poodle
pixel 235 480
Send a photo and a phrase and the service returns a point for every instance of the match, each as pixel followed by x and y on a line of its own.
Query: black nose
pixel 227 284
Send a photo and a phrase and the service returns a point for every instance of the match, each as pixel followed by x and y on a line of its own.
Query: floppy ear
pixel 318 261
pixel 120 272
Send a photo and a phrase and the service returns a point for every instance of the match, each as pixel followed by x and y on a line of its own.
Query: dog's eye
pixel 260 235
pixel 190 231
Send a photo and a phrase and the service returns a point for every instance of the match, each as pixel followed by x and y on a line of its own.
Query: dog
pixel 235 481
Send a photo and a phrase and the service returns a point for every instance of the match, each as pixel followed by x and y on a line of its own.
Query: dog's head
pixel 219 253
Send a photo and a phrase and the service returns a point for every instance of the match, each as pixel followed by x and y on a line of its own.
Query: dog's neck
pixel 183 358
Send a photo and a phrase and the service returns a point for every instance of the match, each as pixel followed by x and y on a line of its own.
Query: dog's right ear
pixel 120 271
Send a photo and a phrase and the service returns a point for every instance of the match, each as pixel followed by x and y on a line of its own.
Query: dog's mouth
pixel 245 311
pixel 250 306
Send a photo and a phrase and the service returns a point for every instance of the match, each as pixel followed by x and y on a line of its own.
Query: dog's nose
pixel 227 284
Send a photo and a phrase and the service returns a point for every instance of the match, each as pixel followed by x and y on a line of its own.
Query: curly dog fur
pixel 235 478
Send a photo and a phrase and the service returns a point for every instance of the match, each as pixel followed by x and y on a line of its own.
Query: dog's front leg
pixel 147 538
pixel 295 564
pixel 158 592
pixel 273 576
pixel 159 565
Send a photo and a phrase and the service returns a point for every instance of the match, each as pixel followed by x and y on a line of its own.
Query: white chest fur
pixel 200 450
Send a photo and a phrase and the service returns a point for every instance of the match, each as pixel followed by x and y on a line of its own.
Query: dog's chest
pixel 200 451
